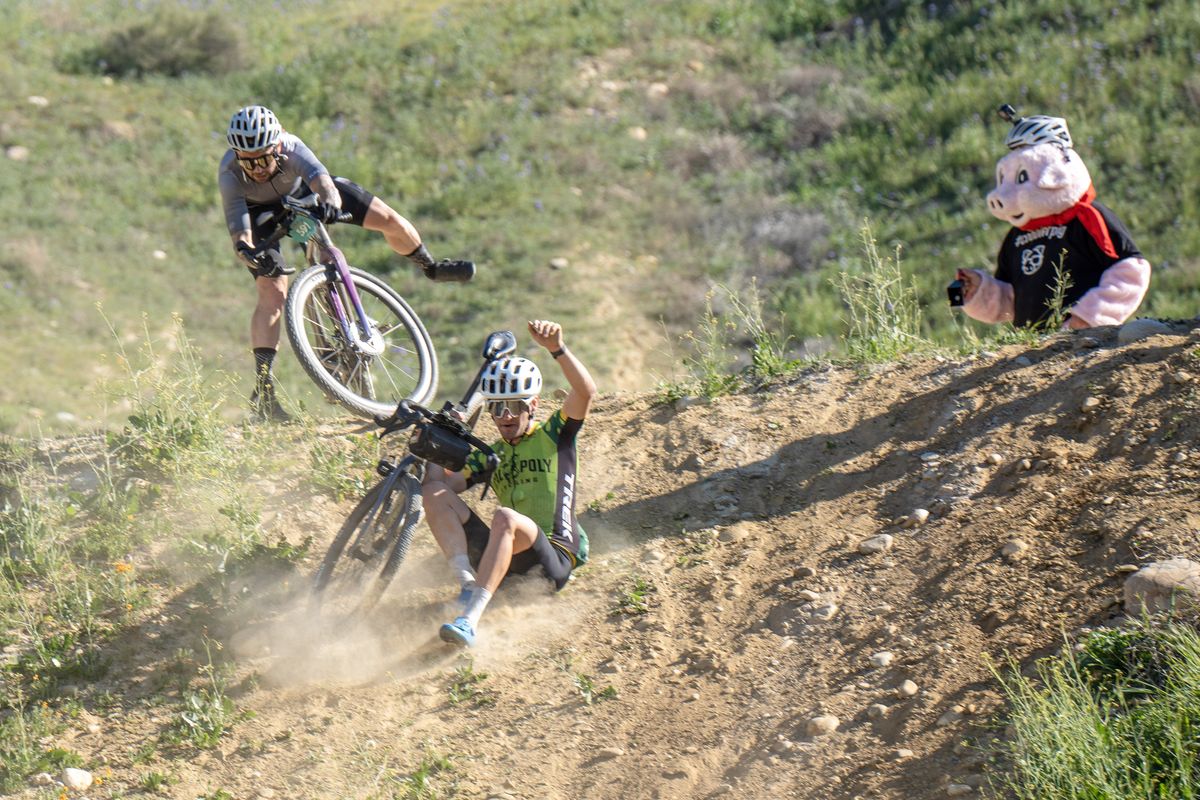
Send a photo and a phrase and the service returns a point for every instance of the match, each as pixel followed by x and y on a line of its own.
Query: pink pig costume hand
pixel 1046 185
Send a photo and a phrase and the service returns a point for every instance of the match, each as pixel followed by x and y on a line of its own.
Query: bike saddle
pixel 499 343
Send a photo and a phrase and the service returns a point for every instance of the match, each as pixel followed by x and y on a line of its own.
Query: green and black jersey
pixel 536 477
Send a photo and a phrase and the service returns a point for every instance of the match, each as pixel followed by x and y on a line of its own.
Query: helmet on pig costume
pixel 1044 190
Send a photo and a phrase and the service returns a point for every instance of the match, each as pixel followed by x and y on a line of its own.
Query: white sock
pixel 479 601
pixel 461 565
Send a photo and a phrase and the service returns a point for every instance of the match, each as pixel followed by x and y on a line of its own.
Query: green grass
pixel 782 127
pixel 1119 720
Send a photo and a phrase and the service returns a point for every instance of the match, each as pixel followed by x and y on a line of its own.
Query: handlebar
pixel 292 206
pixel 430 441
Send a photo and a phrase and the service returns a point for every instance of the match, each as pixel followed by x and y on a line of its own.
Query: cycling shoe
pixel 448 271
pixel 458 633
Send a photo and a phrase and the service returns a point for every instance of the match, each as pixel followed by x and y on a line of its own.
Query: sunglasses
pixel 257 162
pixel 497 408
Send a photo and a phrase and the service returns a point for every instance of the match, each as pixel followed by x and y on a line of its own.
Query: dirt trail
pixel 744 517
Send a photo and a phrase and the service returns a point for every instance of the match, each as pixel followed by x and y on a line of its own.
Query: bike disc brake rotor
pixel 372 346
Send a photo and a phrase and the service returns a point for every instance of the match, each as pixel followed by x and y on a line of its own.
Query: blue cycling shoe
pixel 464 594
pixel 458 633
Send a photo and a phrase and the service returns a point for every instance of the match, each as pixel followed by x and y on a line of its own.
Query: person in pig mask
pixel 1045 192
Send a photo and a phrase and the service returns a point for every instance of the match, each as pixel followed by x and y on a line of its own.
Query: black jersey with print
pixel 1029 260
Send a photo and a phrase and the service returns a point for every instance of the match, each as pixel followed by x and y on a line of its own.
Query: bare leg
pixel 446 514
pixel 264 322
pixel 400 234
pixel 511 532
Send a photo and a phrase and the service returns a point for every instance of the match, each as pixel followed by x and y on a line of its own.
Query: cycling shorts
pixel 554 560
pixel 355 200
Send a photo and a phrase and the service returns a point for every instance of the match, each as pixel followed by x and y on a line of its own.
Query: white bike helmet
pixel 512 378
pixel 1039 129
pixel 253 128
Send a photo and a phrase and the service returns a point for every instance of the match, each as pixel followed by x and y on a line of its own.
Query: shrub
pixel 171 41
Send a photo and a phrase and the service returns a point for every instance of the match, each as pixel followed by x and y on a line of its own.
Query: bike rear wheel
pixel 367 551
pixel 367 376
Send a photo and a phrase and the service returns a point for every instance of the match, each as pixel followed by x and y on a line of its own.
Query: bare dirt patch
pixel 741 521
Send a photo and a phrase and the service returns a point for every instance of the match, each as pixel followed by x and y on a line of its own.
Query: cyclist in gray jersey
pixel 263 165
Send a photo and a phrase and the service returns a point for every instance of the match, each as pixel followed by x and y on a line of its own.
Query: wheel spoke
pixel 369 385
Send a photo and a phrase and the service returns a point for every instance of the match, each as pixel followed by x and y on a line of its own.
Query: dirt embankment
pixel 776 658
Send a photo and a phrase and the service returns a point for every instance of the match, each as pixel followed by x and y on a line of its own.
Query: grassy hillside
pixel 660 147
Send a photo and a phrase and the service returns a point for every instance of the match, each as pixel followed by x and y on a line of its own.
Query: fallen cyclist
pixel 535 485
pixel 264 164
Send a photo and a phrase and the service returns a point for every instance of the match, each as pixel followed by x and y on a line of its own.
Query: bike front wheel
pixel 366 374
pixel 367 551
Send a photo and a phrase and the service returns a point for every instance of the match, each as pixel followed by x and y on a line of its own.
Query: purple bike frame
pixel 335 299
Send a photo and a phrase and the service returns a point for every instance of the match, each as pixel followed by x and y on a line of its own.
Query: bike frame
pixel 321 250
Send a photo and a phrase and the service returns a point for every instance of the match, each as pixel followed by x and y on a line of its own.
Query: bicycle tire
pixel 405 526
pixel 368 386
pixel 350 571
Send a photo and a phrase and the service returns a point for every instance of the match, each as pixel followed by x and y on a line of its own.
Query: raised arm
pixel 583 389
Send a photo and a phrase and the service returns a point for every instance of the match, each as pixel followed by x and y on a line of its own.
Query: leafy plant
pixel 208 711
pixel 710 364
pixel 1056 311
pixel 153 781
pixel 768 354
pixel 590 692
pixel 421 783
pixel 344 467
pixel 465 686
pixel 21 754
pixel 632 598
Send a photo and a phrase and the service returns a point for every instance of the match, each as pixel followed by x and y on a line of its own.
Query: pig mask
pixel 1037 182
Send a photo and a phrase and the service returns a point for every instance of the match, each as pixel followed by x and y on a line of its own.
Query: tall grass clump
pixel 768 346
pixel 883 314
pixel 1119 719
pixel 716 364
pixel 175 400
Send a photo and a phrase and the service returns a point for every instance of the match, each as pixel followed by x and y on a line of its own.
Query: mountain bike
pixel 376 536
pixel 354 335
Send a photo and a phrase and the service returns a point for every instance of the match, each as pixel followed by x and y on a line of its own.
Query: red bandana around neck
pixel 1087 214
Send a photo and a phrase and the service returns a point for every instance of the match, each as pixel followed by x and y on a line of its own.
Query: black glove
pixel 330 214
pixel 264 263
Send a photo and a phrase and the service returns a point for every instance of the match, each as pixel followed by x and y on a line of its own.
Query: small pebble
pixel 882 659
pixel 907 689
pixel 820 726
pixel 876 544
pixel 1014 549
